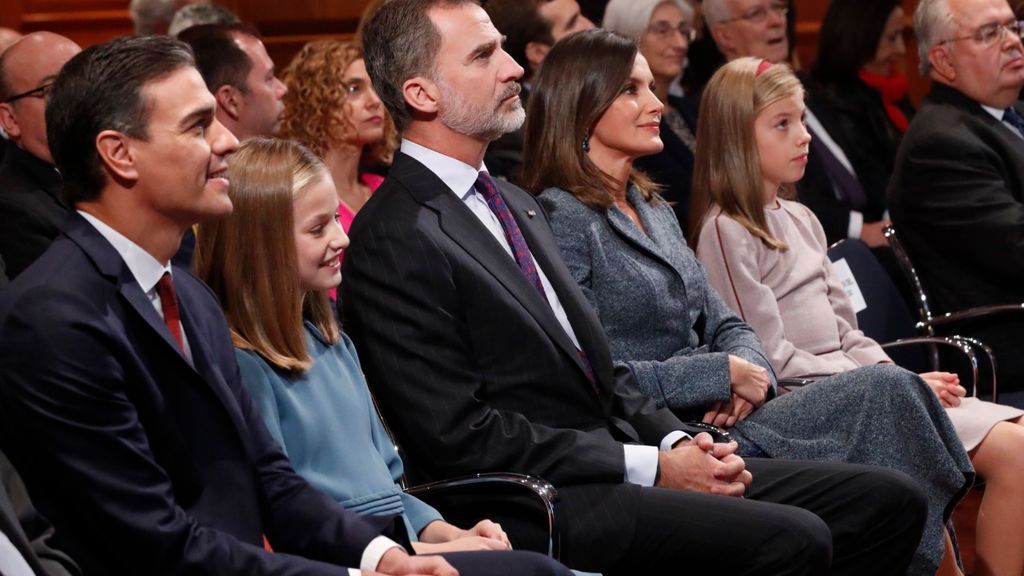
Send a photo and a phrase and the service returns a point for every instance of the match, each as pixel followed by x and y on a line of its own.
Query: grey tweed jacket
pixel 662 318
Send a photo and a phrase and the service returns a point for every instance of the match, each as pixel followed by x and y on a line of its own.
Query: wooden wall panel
pixel 288 25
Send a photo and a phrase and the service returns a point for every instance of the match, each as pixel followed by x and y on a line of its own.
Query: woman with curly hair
pixel 343 122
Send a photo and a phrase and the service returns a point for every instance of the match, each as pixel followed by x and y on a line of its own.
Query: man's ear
pixel 722 36
pixel 8 122
pixel 535 54
pixel 114 149
pixel 942 64
pixel 421 94
pixel 229 101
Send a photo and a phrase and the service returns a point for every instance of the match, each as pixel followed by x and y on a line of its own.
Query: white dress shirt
pixel 12 563
pixel 147 271
pixel 856 224
pixel 641 461
pixel 998 114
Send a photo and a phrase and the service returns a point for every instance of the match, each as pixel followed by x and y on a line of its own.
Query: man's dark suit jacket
pixel 451 331
pixel 864 145
pixel 31 210
pixel 484 345
pixel 27 530
pixel 957 201
pixel 144 464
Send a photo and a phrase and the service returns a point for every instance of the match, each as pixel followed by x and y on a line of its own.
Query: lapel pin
pixel 531 213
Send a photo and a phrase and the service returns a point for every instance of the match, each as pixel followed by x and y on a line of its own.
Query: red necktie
pixel 169 304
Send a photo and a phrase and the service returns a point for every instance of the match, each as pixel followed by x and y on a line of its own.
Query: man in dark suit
pixel 485 355
pixel 31 209
pixel 957 193
pixel 120 398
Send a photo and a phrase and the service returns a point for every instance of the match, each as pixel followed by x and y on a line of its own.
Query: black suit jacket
pixel 860 143
pixel 27 530
pixel 471 367
pixel 144 464
pixel 957 200
pixel 31 210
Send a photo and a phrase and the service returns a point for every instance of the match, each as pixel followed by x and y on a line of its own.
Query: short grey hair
pixel 200 13
pixel 931 19
pixel 153 16
pixel 632 17
pixel 715 11
pixel 401 42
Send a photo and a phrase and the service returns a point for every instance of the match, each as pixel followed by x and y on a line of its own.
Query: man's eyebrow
pixel 486 47
pixel 203 113
pixel 572 21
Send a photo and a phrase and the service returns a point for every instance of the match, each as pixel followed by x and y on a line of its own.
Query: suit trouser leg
pixel 505 564
pixel 875 515
pixel 797 517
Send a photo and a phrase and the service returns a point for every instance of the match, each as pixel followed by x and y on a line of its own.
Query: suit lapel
pixel 200 348
pixel 463 227
pixel 631 233
pixel 111 265
pixel 582 318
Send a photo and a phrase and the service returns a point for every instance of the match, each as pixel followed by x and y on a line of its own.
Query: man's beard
pixel 465 117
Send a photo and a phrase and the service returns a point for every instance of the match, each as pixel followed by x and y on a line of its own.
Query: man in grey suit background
pixel 485 356
pixel 957 191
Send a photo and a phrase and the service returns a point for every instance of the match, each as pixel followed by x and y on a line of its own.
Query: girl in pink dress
pixel 766 257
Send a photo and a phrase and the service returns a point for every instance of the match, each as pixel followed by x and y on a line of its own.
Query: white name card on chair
pixel 849 284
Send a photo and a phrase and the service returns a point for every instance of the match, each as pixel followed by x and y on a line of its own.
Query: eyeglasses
pixel 990 34
pixel 760 14
pixel 41 91
pixel 664 30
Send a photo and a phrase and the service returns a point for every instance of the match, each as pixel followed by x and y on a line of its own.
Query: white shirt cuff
pixel 374 551
pixel 671 438
pixel 856 225
pixel 642 461
pixel 641 464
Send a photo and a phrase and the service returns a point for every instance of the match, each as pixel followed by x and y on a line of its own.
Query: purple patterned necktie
pixel 486 187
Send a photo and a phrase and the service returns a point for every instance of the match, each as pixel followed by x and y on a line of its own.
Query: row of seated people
pixel 937 444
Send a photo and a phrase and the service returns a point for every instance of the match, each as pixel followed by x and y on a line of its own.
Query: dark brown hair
pixel 102 88
pixel 581 77
pixel 401 42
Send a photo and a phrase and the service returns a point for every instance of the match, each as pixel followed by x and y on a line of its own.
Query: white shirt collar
pixel 146 269
pixel 996 113
pixel 456 174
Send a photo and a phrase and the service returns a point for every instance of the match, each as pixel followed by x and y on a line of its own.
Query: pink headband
pixel 764 65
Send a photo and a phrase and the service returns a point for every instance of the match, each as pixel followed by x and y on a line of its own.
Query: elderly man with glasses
pixel 957 192
pixel 31 209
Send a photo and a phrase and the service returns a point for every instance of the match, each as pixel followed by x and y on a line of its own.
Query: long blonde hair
pixel 727 167
pixel 249 258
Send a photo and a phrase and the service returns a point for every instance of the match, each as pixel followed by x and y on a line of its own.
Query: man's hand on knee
pixel 703 466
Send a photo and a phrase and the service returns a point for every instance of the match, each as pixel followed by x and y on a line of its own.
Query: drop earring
pixel 586 141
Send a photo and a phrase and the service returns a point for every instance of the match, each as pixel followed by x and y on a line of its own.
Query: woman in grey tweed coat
pixel 624 248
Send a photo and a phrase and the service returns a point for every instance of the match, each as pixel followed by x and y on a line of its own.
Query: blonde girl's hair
pixel 727 168
pixel 249 258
